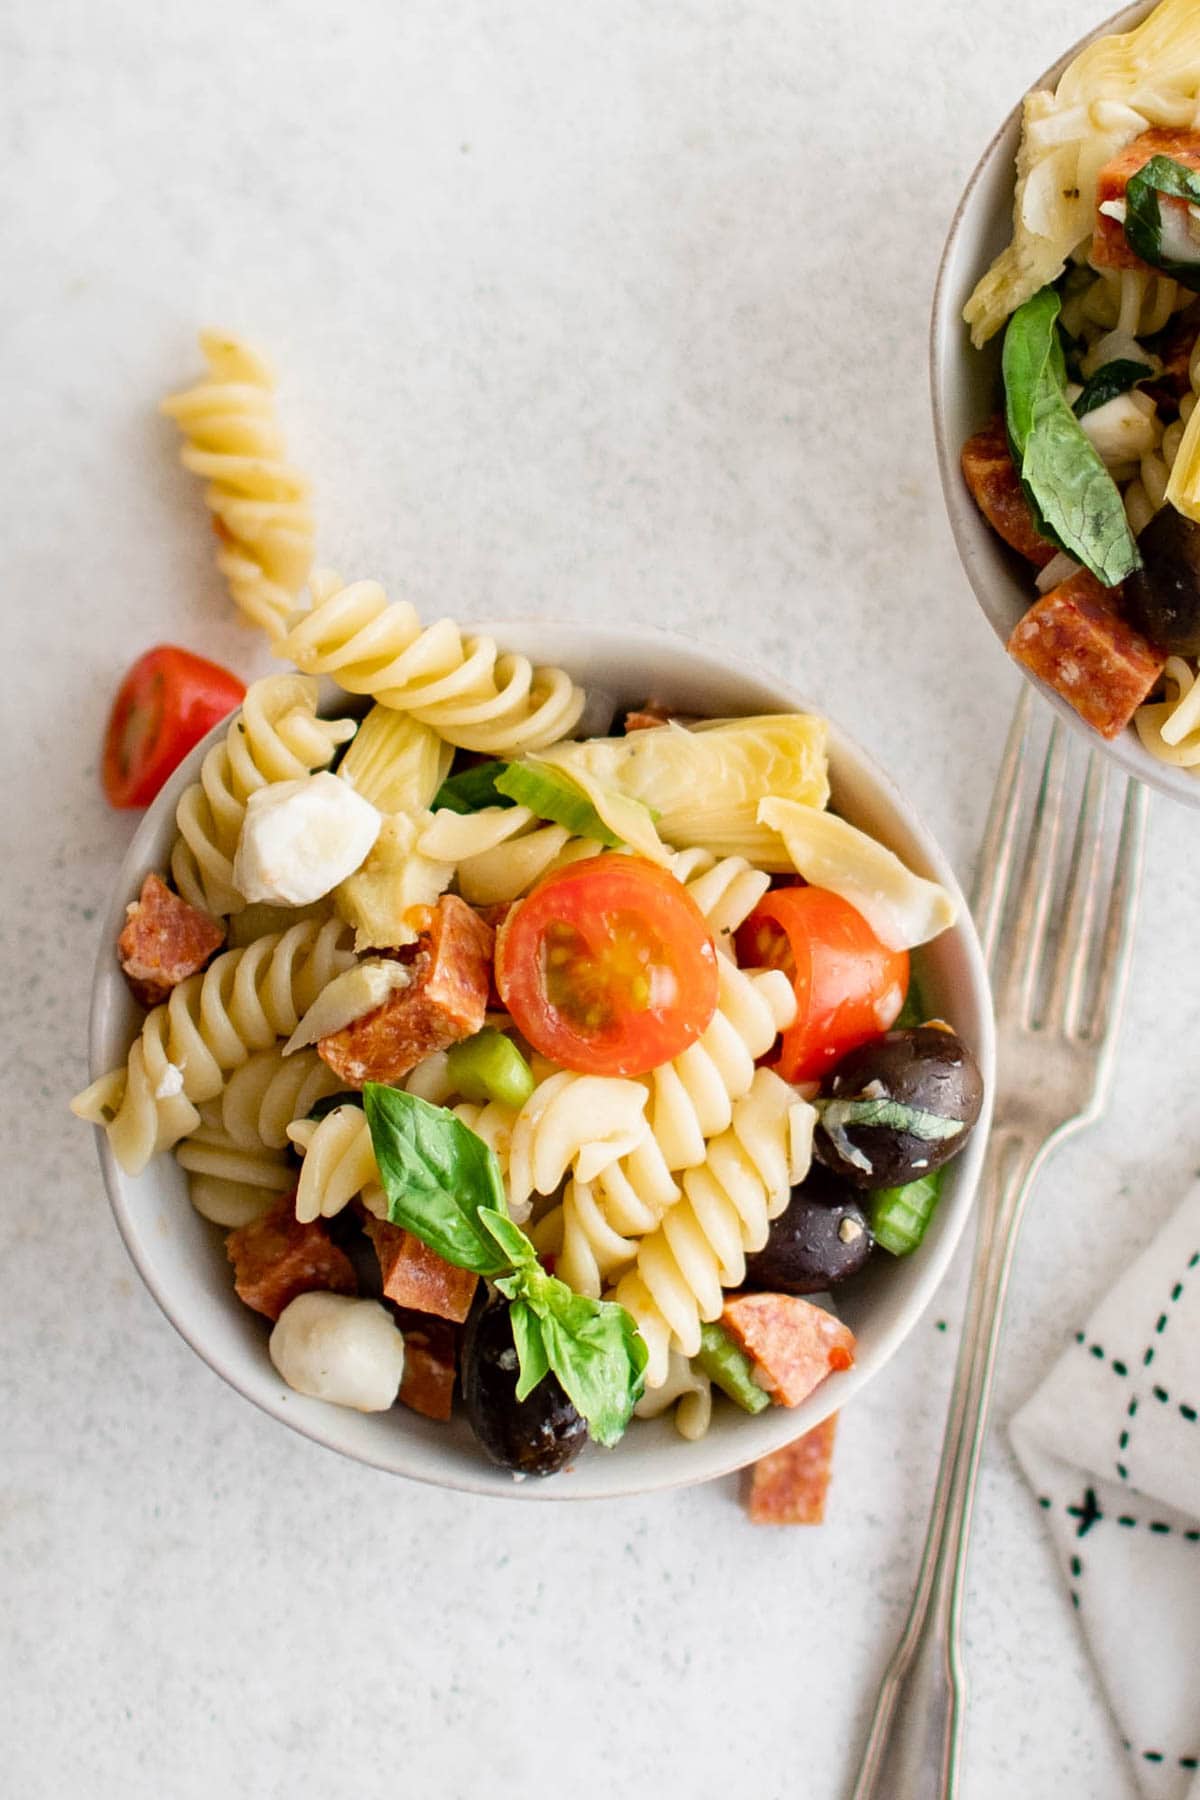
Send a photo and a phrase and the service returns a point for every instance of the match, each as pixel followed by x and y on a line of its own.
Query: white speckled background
pixel 603 309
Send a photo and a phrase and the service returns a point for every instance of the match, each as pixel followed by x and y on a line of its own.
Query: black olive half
pixel 898 1107
pixel 1162 598
pixel 818 1240
pixel 535 1436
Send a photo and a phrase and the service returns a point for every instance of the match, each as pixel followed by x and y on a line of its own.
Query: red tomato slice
pixel 167 702
pixel 608 966
pixel 849 986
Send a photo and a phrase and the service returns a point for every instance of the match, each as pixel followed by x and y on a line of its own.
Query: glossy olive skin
pixel 820 1239
pixel 1162 598
pixel 928 1068
pixel 535 1436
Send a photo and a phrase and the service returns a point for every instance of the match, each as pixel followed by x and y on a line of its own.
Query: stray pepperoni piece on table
pixel 789 1486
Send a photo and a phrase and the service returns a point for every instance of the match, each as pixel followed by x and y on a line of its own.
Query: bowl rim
pixel 637 645
pixel 967 527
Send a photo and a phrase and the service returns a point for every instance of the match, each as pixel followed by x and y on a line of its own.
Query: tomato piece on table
pixel 167 702
pixel 849 986
pixel 608 967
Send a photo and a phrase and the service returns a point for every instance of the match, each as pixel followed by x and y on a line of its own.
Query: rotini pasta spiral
pixel 1170 728
pixel 578 1122
pixel 231 1183
pixel 259 502
pixel 276 736
pixel 700 1247
pixel 470 693
pixel 212 1022
pixel 268 1091
pixel 687 1389
pixel 499 853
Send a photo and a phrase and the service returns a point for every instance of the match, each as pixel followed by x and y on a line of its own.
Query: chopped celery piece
pixel 727 1365
pixel 554 796
pixel 489 1066
pixel 706 782
pixel 395 761
pixel 472 789
pixel 901 1215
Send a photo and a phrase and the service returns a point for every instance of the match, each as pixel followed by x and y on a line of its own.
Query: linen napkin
pixel 1110 1444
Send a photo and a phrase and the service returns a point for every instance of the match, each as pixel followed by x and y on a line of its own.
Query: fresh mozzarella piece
pixel 340 1349
pixel 902 909
pixel 1178 236
pixel 347 997
pixel 300 838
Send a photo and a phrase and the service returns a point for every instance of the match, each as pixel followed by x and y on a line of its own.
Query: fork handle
pixel 915 1735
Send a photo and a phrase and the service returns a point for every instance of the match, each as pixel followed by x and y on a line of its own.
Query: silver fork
pixel 1056 913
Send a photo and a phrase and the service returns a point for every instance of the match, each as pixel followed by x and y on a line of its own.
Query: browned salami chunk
pixel 789 1486
pixel 163 941
pixel 416 1276
pixel 277 1257
pixel 793 1344
pixel 445 1001
pixel 430 1347
pixel 1076 641
pixel 988 471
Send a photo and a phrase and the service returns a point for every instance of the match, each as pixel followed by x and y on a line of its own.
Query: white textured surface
pixel 611 310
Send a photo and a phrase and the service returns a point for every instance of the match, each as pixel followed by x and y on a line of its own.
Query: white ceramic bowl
pixel 966 391
pixel 182 1258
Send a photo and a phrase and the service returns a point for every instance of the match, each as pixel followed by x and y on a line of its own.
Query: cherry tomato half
pixel 164 706
pixel 608 966
pixel 849 986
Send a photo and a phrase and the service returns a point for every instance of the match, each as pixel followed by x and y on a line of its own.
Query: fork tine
pixel 1065 1000
pixel 1022 976
pixel 1117 948
pixel 994 863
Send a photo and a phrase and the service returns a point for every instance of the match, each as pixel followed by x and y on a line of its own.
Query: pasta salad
pixel 562 1076
pixel 1090 471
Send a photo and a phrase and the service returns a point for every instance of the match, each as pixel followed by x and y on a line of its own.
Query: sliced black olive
pixel 536 1436
pixel 821 1238
pixel 1162 598
pixel 898 1107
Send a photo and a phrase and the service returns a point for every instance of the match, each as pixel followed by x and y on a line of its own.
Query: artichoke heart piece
pixel 395 882
pixel 396 762
pixel 350 995
pixel 704 783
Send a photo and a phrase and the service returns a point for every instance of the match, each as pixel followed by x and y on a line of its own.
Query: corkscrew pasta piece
pixel 577 1122
pixel 499 853
pixel 231 1183
pixel 259 501
pixel 269 1091
pixel 471 693
pixel 213 1022
pixel 688 1390
pixel 276 736
pixel 700 1247
pixel 1170 728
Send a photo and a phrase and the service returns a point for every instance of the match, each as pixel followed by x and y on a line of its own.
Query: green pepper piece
pixel 730 1369
pixel 489 1066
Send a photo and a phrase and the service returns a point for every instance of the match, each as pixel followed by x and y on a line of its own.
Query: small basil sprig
pixel 1143 215
pixel 1075 500
pixel 839 1116
pixel 443 1184
pixel 1110 380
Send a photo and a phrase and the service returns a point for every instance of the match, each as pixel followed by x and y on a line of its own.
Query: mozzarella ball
pixel 340 1349
pixel 300 838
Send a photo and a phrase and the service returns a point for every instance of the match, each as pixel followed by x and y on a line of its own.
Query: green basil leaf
pixel 554 796
pixel 518 1251
pixel 884 1114
pixel 913 1011
pixel 531 1348
pixel 1143 215
pixel 1111 379
pixel 472 790
pixel 1075 500
pixel 438 1176
pixel 593 1347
